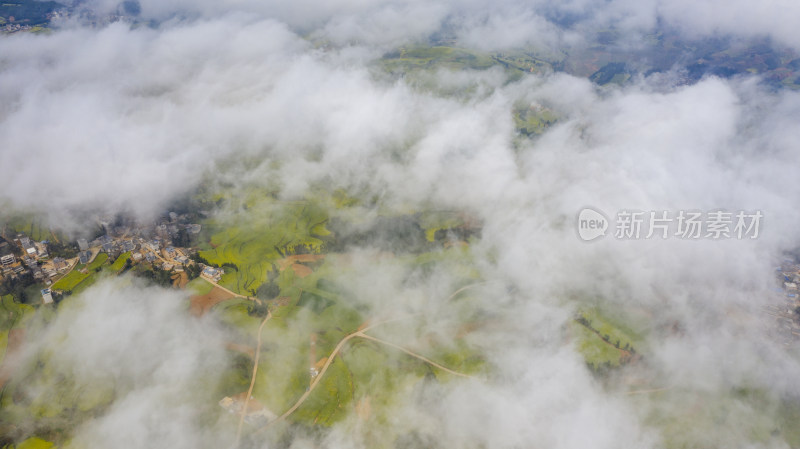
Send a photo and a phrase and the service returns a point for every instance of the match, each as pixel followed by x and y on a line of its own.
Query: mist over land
pixel 390 190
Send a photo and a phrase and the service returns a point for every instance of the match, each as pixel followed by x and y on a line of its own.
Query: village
pixel 784 308
pixel 164 245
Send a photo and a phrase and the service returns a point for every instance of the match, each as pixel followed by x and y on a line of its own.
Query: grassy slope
pixel 252 245
pixel 119 264
pixel 35 443
pixel 75 281
pixel 594 349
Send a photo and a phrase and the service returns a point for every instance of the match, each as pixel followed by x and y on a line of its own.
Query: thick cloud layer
pixel 122 119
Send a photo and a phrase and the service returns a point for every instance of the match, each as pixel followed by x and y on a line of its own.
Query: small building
pixel 47 296
pixel 59 263
pixel 41 249
pixel 128 245
pixel 215 274
pixel 7 259
pixel 85 257
pixel 167 266
pixel 193 228
pixel 136 257
pixel 790 286
pixel 27 246
pixel 100 241
pixel 83 245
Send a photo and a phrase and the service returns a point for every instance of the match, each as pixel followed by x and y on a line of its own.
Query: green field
pixel 98 261
pixel 75 281
pixel 602 341
pixel 3 343
pixel 70 281
pixel 363 369
pixel 119 264
pixel 738 417
pixel 272 230
pixel 32 227
pixel 199 286
pixel 14 314
pixel 35 443
pixel 436 221
pixel 424 58
pixel 533 121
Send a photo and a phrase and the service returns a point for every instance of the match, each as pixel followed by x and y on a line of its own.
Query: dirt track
pixel 329 360
pixel 336 350
pixel 252 379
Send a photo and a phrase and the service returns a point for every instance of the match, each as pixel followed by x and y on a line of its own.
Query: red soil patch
pixel 297 259
pixel 15 338
pixel 201 304
pixel 252 405
pixel 363 409
pixel 179 280
pixel 301 270
pixel 244 349
pixel 320 364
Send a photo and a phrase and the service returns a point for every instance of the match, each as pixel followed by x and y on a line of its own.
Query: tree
pixel 258 308
pixel 268 290
pixel 63 250
pixel 192 270
pixel 182 240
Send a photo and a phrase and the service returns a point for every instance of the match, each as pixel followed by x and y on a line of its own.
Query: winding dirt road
pixel 252 380
pixel 225 289
pixel 337 349
pixel 359 333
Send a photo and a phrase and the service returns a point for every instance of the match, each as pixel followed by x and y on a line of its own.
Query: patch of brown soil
pixel 252 405
pixel 301 270
pixel 363 409
pixel 179 280
pixel 297 259
pixel 13 348
pixel 466 329
pixel 244 349
pixel 320 363
pixel 283 301
pixel 201 304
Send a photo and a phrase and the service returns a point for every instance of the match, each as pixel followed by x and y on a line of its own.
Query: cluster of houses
pixel 214 274
pixel 785 309
pixel 32 255
pixel 154 243
pixel 15 27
